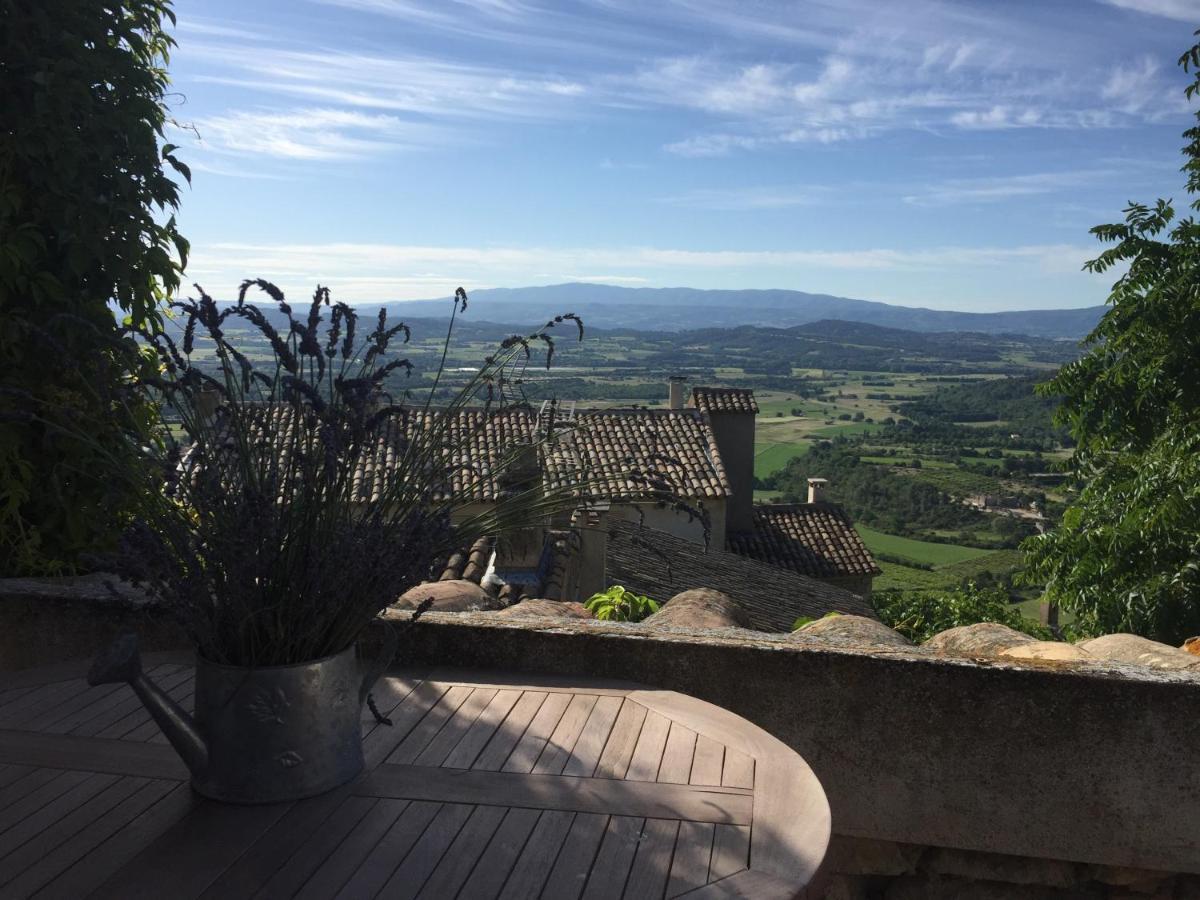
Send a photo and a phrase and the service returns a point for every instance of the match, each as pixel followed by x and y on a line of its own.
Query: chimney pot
pixel 816 489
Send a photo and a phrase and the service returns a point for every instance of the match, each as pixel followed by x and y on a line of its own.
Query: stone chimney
pixel 675 391
pixel 816 489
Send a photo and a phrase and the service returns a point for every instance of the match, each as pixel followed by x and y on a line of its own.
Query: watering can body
pixel 259 735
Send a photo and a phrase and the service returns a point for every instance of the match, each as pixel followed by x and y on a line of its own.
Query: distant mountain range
pixel 678 309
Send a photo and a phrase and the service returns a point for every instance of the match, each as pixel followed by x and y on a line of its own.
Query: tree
pixel 85 222
pixel 1126 556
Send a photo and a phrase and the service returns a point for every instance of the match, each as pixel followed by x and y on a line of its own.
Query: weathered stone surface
pixel 699 608
pixel 1139 880
pixel 938 887
pixel 983 639
pixel 977 866
pixel 1140 651
pixel 866 856
pixel 1053 650
pixel 449 596
pixel 1192 645
pixel 853 631
pixel 850 887
pixel 546 609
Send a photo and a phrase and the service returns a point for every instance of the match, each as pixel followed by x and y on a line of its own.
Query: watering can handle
pixel 379 665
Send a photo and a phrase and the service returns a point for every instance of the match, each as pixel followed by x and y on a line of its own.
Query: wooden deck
pixel 486 786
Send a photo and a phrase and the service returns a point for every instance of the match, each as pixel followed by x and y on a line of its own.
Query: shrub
pixel 620 605
pixel 84 222
pixel 919 615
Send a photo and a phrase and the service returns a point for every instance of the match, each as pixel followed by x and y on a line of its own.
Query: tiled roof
pixel 719 400
pixel 661 565
pixel 605 447
pixel 814 539
pixel 608 445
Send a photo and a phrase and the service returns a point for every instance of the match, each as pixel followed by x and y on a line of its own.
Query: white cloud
pixel 1131 88
pixel 308 134
pixel 987 190
pixel 1182 10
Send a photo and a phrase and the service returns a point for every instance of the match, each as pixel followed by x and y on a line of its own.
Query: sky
pixel 930 153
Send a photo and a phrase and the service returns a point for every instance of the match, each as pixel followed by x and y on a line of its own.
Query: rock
pixel 933 887
pixel 1056 650
pixel 975 865
pixel 449 596
pixel 1192 645
pixel 868 856
pixel 982 639
pixel 546 609
pixel 853 631
pixel 699 608
pixel 1129 648
pixel 1144 881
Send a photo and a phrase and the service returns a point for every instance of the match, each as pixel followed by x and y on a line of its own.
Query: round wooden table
pixel 487 784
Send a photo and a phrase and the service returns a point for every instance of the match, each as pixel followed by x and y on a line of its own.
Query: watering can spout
pixel 122 663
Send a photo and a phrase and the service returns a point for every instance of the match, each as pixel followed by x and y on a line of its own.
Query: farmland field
pixel 926 552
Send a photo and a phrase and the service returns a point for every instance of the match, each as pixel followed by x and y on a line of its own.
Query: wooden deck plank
pixel 593 795
pixel 393 847
pixel 562 741
pixel 425 855
pixel 67 751
pixel 533 741
pixel 586 754
pixel 113 852
pixel 340 866
pixel 463 854
pixel 647 755
pixel 73 709
pixel 738 770
pixel 125 704
pixel 45 786
pixel 191 854
pixel 534 865
pixel 676 766
pixel 708 761
pixel 51 812
pixel 319 845
pixel 14 860
pixel 67 854
pixel 410 748
pixel 528 681
pixel 693 853
pixel 731 851
pixel 77 669
pixel 748 885
pixel 467 750
pixel 389 692
pixel 13 694
pixel 405 716
pixel 500 856
pixel 618 750
pixel 38 701
pixel 510 731
pixel 567 878
pixel 610 869
pixel 270 851
pixel 144 728
pixel 12 772
pixel 652 865
pixel 453 731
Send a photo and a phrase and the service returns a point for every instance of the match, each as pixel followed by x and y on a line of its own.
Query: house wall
pixel 856 584
pixel 674 522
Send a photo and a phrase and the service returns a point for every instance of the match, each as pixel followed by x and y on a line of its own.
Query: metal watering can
pixel 260 735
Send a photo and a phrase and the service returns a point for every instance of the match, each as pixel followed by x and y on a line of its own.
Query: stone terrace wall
pixel 939 770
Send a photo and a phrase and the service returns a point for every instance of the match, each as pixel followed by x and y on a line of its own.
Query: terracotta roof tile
pixel 814 539
pixel 719 400
pixel 609 445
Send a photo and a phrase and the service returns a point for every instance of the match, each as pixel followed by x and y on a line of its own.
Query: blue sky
pixel 942 154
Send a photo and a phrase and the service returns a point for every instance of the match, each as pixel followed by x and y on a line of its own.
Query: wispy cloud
pixel 748 198
pixel 990 190
pixel 1181 10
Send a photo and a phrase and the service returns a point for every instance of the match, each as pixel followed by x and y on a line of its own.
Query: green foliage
pixel 620 605
pixel 918 615
pixel 84 222
pixel 808 620
pixel 1126 556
